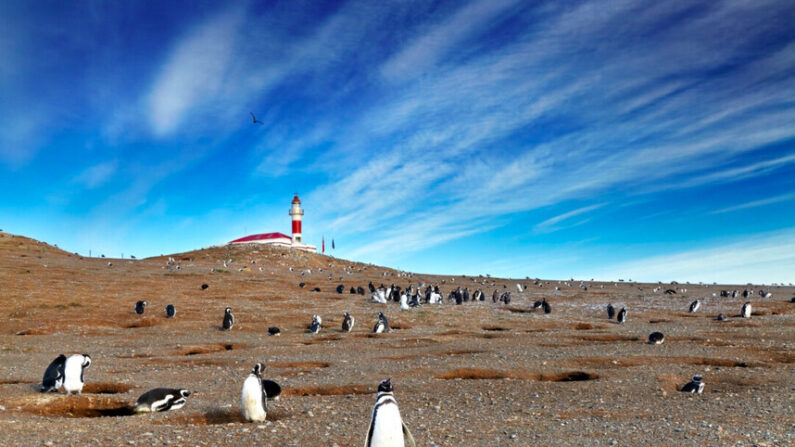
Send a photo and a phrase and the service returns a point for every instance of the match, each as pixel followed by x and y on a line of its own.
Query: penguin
pixel 656 338
pixel 301 285
pixel 229 319
pixel 254 397
pixel 547 307
pixel 694 306
pixel 494 296
pixel 746 310
pixel 340 288
pixel 622 315
pixel 611 311
pixel 161 399
pixel 316 324
pixel 382 325
pixel 171 311
pixel 386 426
pixel 74 367
pixel 694 386
pixel 538 305
pixel 347 322
pixel 273 330
pixel 353 290
pixel 360 290
pixel 139 307
pixel 205 286
pixel 371 287
pixel 404 301
pixel 54 375
pixel 720 317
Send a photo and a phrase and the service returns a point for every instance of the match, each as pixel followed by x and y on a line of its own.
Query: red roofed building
pixel 281 239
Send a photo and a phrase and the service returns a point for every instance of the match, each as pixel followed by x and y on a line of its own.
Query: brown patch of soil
pixel 74 406
pixel 106 388
pixel 299 365
pixel 206 349
pixel 493 374
pixel 329 390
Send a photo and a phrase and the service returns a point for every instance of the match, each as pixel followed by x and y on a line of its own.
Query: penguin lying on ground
pixel 694 386
pixel 171 311
pixel 386 426
pixel 656 338
pixel 161 399
pixel 273 330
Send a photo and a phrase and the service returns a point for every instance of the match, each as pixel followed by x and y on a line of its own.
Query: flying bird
pixel 254 118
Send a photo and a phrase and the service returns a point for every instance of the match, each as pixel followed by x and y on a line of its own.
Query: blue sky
pixel 643 140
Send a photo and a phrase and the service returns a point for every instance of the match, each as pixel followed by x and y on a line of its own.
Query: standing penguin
pixel 622 315
pixel 404 301
pixel 161 399
pixel 546 306
pixel 694 386
pixel 317 323
pixel 746 310
pixel 611 311
pixel 386 426
pixel 694 306
pixel 229 319
pixel 73 373
pixel 347 322
pixel 254 399
pixel 53 375
pixel 139 307
pixel 382 325
pixel 171 311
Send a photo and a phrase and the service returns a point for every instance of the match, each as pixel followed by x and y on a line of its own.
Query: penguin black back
pixel 622 315
pixel 546 306
pixel 611 311
pixel 53 375
pixel 171 311
pixel 656 338
pixel 229 319
pixel 139 307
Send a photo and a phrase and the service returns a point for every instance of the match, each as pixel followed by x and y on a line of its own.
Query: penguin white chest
pixel 253 408
pixel 387 427
pixel 73 374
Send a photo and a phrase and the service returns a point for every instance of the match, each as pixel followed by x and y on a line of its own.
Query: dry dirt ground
pixel 478 374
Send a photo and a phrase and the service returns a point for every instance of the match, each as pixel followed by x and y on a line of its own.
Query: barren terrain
pixel 478 374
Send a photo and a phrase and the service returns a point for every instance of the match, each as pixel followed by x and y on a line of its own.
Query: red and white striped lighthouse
pixel 296 212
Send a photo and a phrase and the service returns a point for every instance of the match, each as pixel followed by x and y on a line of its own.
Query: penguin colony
pixel 386 428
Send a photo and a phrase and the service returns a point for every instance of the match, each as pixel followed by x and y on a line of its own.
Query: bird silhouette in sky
pixel 256 121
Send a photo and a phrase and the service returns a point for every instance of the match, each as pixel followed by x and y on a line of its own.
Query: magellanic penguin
pixel 746 310
pixel 386 427
pixel 611 311
pixel 347 322
pixel 171 311
pixel 73 373
pixel 273 330
pixel 656 338
pixel 695 305
pixel 53 375
pixel 622 315
pixel 694 386
pixel 382 325
pixel 254 398
pixel 139 307
pixel 546 306
pixel 316 324
pixel 161 399
pixel 229 319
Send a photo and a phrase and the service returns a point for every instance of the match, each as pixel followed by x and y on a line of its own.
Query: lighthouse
pixel 280 239
pixel 295 213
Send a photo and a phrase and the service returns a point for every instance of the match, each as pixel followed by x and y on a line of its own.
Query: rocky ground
pixel 478 374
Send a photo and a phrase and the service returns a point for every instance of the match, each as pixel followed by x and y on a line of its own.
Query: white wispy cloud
pixel 549 224
pixel 766 258
pixel 98 174
pixel 195 73
pixel 755 203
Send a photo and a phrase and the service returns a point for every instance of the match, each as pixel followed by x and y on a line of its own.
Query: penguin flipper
pixel 407 436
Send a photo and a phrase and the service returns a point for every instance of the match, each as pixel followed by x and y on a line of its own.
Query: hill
pixel 471 375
